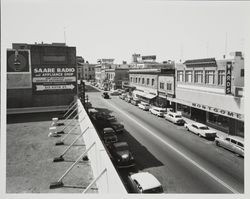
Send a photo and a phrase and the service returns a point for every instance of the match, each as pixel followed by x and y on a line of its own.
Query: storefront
pixel 145 97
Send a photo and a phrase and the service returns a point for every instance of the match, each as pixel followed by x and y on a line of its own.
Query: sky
pixel 117 29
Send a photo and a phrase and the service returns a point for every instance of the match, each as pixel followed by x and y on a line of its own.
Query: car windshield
pixel 178 116
pixel 122 148
pixel 154 190
pixel 204 128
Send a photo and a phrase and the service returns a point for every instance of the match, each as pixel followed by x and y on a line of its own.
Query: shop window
pixel 218 120
pixel 188 76
pixel 221 77
pixel 198 76
pixel 180 76
pixel 209 76
pixel 186 110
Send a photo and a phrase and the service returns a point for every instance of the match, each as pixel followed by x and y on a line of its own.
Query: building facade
pixel 116 77
pixel 40 77
pixel 151 85
pixel 211 91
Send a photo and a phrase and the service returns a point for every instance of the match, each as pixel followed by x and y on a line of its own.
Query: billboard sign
pixel 54 79
pixel 18 69
pixel 228 77
pixel 150 57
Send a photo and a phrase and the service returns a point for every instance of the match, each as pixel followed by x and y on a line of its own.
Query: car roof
pixel 237 138
pixel 120 144
pixel 199 124
pixel 108 129
pixel 146 180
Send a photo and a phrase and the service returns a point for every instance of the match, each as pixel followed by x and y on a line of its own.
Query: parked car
pixel 144 106
pixel 122 96
pixel 174 117
pixel 121 91
pixel 201 130
pixel 232 143
pixel 105 95
pixel 135 102
pixel 128 98
pixel 121 155
pixel 157 111
pixel 114 93
pixel 109 136
pixel 144 182
pixel 117 126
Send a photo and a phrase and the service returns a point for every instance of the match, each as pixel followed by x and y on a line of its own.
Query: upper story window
pixel 169 86
pixel 221 77
pixel 209 76
pixel 188 76
pixel 139 80
pixel 142 80
pixel 152 82
pixel 161 85
pixel 147 81
pixel 136 80
pixel 242 72
pixel 198 76
pixel 180 76
pixel 131 79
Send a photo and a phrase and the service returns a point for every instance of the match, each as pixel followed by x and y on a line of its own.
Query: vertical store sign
pixel 228 77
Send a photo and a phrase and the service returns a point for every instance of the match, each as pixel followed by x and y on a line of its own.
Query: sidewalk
pixel 219 133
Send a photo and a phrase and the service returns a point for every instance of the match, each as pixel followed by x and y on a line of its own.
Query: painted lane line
pixel 175 149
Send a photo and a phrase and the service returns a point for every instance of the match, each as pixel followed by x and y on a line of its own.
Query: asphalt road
pixel 180 160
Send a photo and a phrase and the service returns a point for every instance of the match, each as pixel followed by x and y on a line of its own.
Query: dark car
pixel 105 95
pixel 109 136
pixel 121 155
pixel 118 127
pixel 135 102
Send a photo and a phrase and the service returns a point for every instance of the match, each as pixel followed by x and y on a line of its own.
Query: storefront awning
pixel 143 94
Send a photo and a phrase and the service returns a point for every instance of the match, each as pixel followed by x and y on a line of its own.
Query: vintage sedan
pixel 121 155
pixel 201 130
pixel 117 126
pixel 144 182
pixel 109 136
pixel 105 95
pixel 174 117
pixel 232 143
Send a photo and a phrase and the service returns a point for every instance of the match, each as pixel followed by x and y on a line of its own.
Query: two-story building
pixel 211 91
pixel 151 84
pixel 116 76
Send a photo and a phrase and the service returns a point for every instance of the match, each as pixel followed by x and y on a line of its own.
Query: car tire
pixel 217 143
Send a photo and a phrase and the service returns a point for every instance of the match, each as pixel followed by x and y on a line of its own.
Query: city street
pixel 181 161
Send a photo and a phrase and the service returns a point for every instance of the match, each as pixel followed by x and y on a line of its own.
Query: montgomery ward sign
pixel 219 111
pixel 228 77
pixel 54 79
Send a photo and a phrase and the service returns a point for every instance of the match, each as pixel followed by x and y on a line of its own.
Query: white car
pixel 157 111
pixel 232 143
pixel 114 92
pixel 144 106
pixel 201 130
pixel 174 117
pixel 144 182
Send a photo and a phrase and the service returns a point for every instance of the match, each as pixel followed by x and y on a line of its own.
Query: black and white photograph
pixel 124 99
